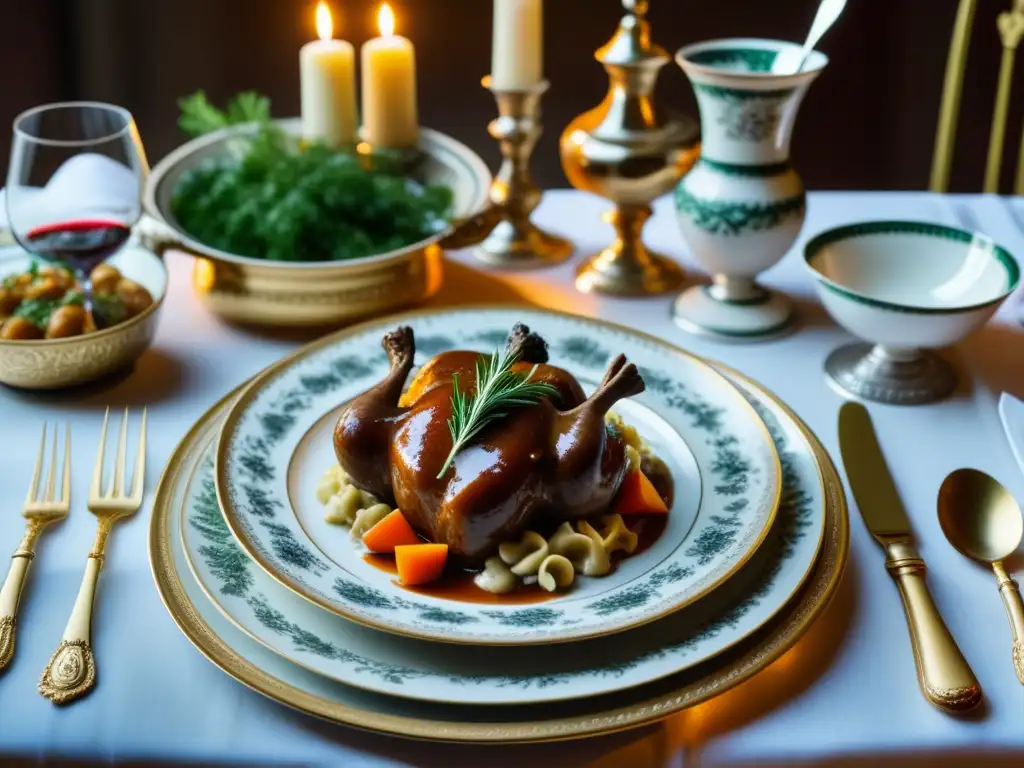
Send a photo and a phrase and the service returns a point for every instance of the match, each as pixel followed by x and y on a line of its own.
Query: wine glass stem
pixel 87 297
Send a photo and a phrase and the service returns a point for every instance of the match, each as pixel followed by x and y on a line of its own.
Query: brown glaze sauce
pixel 458 585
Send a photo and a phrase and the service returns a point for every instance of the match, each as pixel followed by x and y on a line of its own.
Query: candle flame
pixel 386 20
pixel 324 23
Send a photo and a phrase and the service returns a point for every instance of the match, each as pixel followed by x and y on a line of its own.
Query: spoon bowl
pixel 983 521
pixel 979 516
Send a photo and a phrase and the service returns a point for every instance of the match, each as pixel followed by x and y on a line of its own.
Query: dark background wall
pixel 868 122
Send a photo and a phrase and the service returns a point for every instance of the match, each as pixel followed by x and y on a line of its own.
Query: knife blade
pixel 1011 413
pixel 942 671
pixel 869 476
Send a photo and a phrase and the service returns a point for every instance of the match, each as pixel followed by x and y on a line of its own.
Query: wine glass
pixel 74 186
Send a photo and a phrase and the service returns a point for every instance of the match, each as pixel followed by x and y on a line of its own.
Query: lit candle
pixel 327 70
pixel 389 87
pixel 517 48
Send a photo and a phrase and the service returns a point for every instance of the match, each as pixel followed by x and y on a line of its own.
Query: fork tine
pixel 65 494
pixel 139 473
pixel 38 470
pixel 97 473
pixel 51 476
pixel 114 489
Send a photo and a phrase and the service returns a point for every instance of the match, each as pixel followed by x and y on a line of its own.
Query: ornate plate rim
pixel 816 596
pixel 206 444
pixel 271 373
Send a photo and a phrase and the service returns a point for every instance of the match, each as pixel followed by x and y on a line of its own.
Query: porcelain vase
pixel 743 205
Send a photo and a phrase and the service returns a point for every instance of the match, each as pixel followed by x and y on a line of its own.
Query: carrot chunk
pixel 420 563
pixel 637 496
pixel 394 530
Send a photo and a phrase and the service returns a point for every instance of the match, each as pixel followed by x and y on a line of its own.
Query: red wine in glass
pixel 80 244
pixel 74 186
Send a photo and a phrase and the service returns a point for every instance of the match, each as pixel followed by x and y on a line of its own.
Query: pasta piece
pixel 343 506
pixel 597 563
pixel 496 577
pixel 616 535
pixel 525 556
pixel 555 572
pixel 365 519
pixel 586 552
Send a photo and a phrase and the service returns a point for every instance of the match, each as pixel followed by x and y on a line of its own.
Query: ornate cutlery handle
pixel 10 593
pixel 1015 611
pixel 72 668
pixel 945 677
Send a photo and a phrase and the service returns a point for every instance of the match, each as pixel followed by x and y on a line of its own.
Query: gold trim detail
pixel 784 631
pixel 6 640
pixel 271 373
pixel 957 699
pixel 70 672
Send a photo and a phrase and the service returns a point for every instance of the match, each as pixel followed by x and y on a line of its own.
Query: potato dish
pixel 47 302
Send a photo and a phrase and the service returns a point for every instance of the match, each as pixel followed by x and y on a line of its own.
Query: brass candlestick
pixel 625 151
pixel 513 240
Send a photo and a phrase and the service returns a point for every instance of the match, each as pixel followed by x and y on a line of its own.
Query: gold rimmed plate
pixel 269 673
pixel 276 444
pixel 350 653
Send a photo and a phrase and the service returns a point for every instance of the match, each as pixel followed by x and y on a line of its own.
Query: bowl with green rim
pixel 906 287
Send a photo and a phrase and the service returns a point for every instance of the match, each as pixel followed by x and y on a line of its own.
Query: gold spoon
pixel 983 521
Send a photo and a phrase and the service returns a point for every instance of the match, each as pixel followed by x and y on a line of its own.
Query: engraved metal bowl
pixel 58 363
pixel 319 294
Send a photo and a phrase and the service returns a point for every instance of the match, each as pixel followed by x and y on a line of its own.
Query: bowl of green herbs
pixel 291 233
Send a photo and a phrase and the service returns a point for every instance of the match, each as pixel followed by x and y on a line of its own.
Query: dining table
pixel 846 694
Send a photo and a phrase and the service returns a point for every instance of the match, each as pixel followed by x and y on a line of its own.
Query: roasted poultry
pixel 540 465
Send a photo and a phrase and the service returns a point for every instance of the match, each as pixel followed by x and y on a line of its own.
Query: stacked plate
pixel 753 549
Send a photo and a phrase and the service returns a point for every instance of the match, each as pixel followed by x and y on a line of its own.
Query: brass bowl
pixel 321 294
pixel 58 363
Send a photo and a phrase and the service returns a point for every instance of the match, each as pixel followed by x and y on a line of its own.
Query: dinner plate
pixel 351 653
pixel 276 443
pixel 268 673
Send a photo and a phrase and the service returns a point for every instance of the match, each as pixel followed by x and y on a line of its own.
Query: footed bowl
pixel 905 287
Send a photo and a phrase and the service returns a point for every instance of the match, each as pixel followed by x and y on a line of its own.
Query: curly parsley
pixel 286 203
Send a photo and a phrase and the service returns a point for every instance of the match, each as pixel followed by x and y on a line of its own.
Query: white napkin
pixel 85 185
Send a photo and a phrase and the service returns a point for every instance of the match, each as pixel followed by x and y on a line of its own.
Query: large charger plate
pixel 271 675
pixel 350 653
pixel 276 442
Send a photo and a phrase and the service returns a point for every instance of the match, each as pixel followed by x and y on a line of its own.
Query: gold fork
pixel 42 507
pixel 72 668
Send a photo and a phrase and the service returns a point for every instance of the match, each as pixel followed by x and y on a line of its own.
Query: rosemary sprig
pixel 497 389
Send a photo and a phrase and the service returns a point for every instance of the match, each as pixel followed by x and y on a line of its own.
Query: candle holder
pixel 625 151
pixel 511 239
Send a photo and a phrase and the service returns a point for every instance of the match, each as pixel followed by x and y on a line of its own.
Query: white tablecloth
pixel 845 694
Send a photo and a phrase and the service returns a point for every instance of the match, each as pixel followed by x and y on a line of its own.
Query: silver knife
pixel 1011 413
pixel 945 677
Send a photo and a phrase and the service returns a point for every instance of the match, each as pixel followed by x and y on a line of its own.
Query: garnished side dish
pixel 46 302
pixel 498 466
pixel 278 200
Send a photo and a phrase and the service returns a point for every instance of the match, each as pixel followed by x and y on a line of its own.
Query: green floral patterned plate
pixel 350 653
pixel 275 445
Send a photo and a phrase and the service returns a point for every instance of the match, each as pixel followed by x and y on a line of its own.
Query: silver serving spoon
pixel 982 521
pixel 791 60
